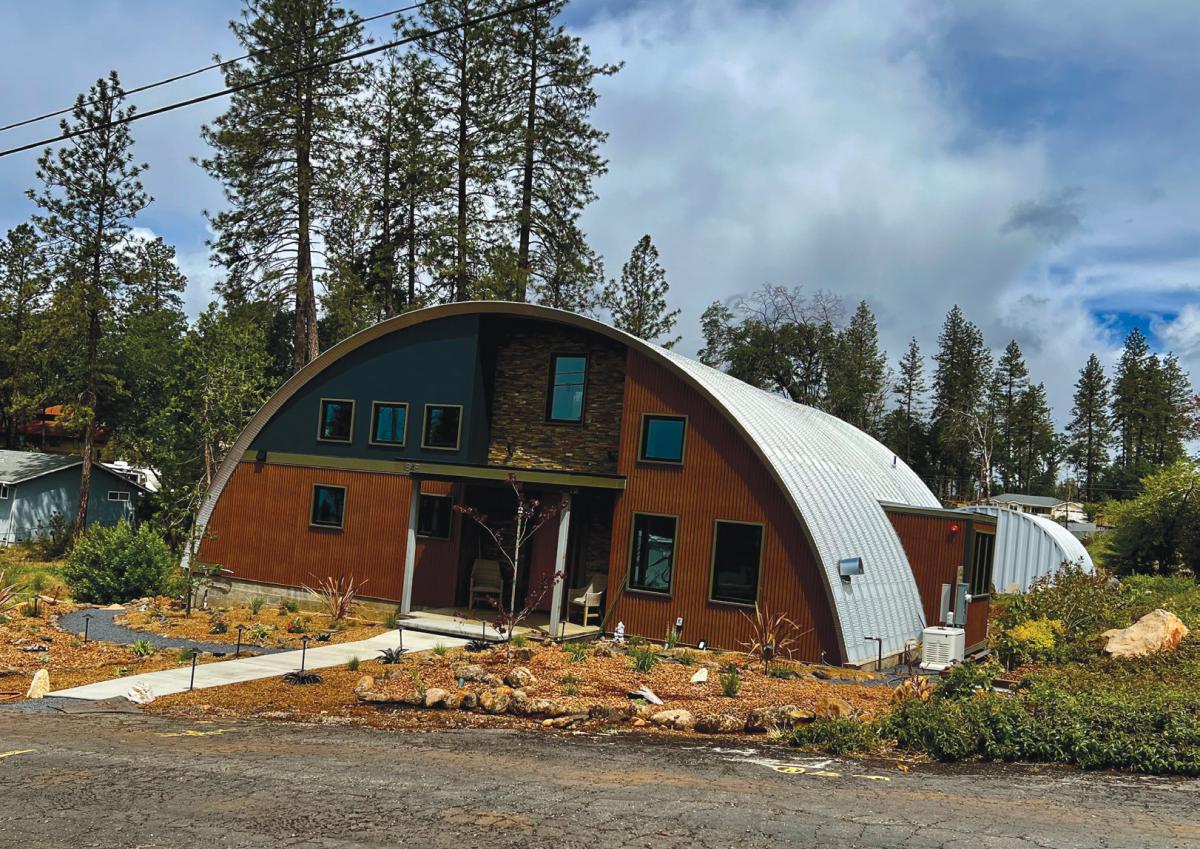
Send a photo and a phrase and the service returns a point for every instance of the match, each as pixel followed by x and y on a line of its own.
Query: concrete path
pixel 224 672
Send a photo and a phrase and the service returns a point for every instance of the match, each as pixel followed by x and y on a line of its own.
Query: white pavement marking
pixel 223 672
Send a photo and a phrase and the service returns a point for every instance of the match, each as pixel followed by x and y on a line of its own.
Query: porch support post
pixel 560 566
pixel 410 546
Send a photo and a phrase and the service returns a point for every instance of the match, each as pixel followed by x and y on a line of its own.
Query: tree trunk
pixel 89 401
pixel 464 161
pixel 305 347
pixel 389 279
pixel 411 238
pixel 526 215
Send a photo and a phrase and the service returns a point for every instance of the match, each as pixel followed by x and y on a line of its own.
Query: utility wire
pixel 223 64
pixel 347 57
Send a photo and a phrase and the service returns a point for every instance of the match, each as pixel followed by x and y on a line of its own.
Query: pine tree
pixel 1170 412
pixel 90 192
pixel 1034 442
pixel 1089 432
pixel 277 149
pixel 557 156
pixel 962 435
pixel 1009 383
pixel 857 377
pixel 1130 401
pixel 716 325
pixel 905 426
pixel 638 303
pixel 24 289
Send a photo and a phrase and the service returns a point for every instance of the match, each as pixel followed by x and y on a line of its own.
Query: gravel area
pixel 103 628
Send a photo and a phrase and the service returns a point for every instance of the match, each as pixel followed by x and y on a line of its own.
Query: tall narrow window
pixel 568 377
pixel 3 491
pixel 737 556
pixel 443 425
pixel 433 516
pixel 662 439
pixel 328 506
pixel 337 420
pixel 652 553
pixel 389 421
pixel 981 564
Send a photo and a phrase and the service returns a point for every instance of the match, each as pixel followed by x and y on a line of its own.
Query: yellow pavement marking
pixel 15 752
pixel 790 769
pixel 193 733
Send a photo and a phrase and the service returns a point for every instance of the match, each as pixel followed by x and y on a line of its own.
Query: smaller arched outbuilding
pixel 1028 547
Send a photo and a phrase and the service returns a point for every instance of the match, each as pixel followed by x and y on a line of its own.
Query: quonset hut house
pixel 691 496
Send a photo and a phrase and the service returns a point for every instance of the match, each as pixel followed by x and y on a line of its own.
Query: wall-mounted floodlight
pixel 850 566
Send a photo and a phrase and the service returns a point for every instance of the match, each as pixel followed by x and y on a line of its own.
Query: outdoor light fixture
pixel 849 566
pixel 954 528
pixel 702 645
pixel 678 626
pixel 261 456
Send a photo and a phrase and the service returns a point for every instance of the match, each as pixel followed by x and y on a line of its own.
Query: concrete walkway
pixel 224 672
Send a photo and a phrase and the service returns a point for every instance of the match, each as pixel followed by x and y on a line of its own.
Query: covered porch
pixel 455 578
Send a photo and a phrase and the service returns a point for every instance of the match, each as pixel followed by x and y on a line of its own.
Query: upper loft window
pixel 337 420
pixel 737 558
pixel 328 506
pixel 434 514
pixel 982 555
pixel 443 427
pixel 389 422
pixel 118 495
pixel 568 377
pixel 662 438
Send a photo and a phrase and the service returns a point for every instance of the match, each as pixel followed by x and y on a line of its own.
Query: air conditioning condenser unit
pixel 942 646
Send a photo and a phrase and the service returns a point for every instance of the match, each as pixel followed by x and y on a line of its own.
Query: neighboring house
pixel 1041 505
pixel 692 495
pixel 46 432
pixel 34 487
pixel 1029 546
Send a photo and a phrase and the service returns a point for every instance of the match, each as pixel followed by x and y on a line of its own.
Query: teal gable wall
pixel 36 501
pixel 432 363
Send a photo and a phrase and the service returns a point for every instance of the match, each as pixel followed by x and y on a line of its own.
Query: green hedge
pixel 118 564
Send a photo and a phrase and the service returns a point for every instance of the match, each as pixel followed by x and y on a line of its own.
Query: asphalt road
pixel 124 781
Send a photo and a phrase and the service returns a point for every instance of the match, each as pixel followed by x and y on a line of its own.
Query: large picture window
pixel 443 424
pixel 328 506
pixel 652 553
pixel 389 422
pixel 568 377
pixel 433 516
pixel 737 556
pixel 337 420
pixel 662 438
pixel 983 551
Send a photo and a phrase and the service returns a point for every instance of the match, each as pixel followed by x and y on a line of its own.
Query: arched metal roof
pixel 833 474
pixel 1028 547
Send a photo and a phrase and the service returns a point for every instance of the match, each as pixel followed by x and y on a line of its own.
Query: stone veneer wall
pixel 520 434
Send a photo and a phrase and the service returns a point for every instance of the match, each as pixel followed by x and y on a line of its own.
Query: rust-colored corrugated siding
pixel 978 612
pixel 260 530
pixel 719 479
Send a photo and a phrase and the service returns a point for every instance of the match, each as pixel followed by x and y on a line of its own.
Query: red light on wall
pixel 954 528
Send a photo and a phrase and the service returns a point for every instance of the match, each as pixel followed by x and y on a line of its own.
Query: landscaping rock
pixel 520 677
pixel 603 650
pixel 564 721
pixel 646 693
pixel 780 716
pixel 468 701
pixel 435 697
pixel 832 707
pixel 538 707
pixel 6 671
pixel 39 686
pixel 640 723
pixel 719 723
pixel 645 711
pixel 1157 631
pixel 700 676
pixel 140 694
pixel 475 672
pixel 495 700
pixel 610 713
pixel 526 653
pixel 366 684
pixel 36 647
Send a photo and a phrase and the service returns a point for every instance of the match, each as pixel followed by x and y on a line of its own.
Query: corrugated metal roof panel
pixel 1028 547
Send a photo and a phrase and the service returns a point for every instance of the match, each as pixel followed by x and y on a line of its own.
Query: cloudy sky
pixel 1034 162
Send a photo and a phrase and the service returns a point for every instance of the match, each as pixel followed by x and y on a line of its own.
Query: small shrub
pixel 74 642
pixel 965 679
pixel 837 736
pixel 770 636
pixel 392 621
pixel 570 685
pixel 258 633
pixel 299 678
pixel 352 664
pixel 256 604
pixel 644 657
pixel 338 596
pixel 218 622
pixel 672 639
pixel 1032 641
pixel 186 655
pixel 440 650
pixel 392 655
pixel 476 646
pixel 731 682
pixel 288 606
pixel 142 648
pixel 52 540
pixel 577 651
pixel 9 594
pixel 686 658
pixel 297 626
pixel 777 671
pixel 119 563
pixel 518 641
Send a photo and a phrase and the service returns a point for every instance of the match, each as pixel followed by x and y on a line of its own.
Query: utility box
pixel 942 647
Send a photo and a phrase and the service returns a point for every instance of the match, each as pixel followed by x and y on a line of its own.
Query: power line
pixel 224 64
pixel 347 57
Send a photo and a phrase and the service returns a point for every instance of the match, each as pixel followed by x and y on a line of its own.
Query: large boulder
pixel 39 686
pixel 476 673
pixel 519 678
pixel 718 723
pixel 1159 630
pixel 779 716
pixel 610 713
pixel 495 700
pixel 832 707
pixel 435 697
pixel 678 720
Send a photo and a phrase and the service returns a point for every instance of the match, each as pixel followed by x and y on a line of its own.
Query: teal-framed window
pixel 663 438
pixel 328 506
pixel 336 421
pixel 442 429
pixel 736 562
pixel 435 516
pixel 652 553
pixel 389 423
pixel 568 386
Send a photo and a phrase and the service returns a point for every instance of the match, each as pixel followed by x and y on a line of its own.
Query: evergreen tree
pixel 963 439
pixel 716 324
pixel 858 374
pixel 24 289
pixel 1034 448
pixel 277 149
pixel 1129 401
pixel 638 303
pixel 905 428
pixel 1169 410
pixel 90 192
pixel 1009 384
pixel 1089 432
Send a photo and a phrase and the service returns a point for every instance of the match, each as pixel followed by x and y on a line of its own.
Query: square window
pixel 568 377
pixel 737 556
pixel 328 506
pixel 662 438
pixel 442 426
pixel 337 420
pixel 652 553
pixel 433 516
pixel 117 495
pixel 389 422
